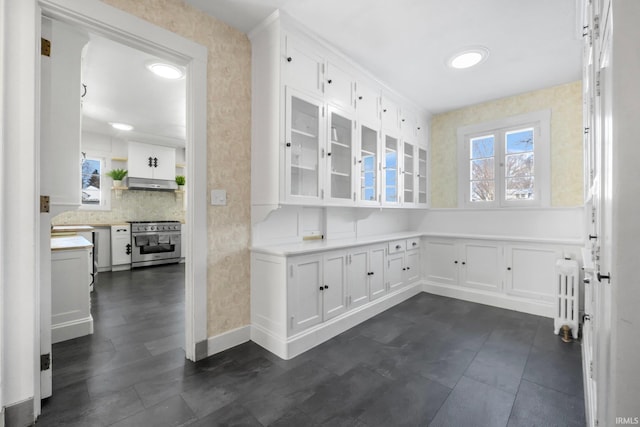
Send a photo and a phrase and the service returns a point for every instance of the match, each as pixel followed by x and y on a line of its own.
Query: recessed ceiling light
pixel 468 57
pixel 121 126
pixel 166 71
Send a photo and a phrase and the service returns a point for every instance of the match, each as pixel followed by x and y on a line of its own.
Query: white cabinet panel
pixel 390 170
pixel 480 266
pixel 395 273
pixel 103 250
pixel 421 177
pixel 120 246
pixel 531 271
pixel 358 277
pixel 377 283
pixel 390 116
pixel 408 173
pixel 302 67
pixel 368 166
pixel 339 87
pixel 340 157
pixel 412 272
pixel 441 258
pixel 304 294
pixel 368 104
pixel 335 285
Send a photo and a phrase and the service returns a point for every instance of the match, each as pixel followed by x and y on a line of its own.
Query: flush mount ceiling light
pixel 468 57
pixel 166 71
pixel 121 126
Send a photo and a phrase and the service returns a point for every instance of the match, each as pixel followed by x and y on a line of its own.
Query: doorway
pixel 97 18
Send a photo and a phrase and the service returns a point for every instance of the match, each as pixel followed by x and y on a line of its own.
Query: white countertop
pixel 69 242
pixel 300 248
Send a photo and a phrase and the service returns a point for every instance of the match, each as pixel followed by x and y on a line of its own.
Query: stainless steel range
pixel 155 242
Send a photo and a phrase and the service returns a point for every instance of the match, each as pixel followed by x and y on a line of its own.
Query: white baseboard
pixel 539 308
pixel 228 339
pixel 72 329
pixel 287 348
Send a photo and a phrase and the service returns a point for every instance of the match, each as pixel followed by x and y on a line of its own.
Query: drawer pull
pixel 398 246
pixel 414 244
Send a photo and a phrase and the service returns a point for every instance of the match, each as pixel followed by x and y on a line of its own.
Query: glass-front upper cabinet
pixel 340 157
pixel 409 173
pixel 390 169
pixel 368 165
pixel 422 176
pixel 302 148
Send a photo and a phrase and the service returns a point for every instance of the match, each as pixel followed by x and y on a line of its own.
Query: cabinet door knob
pixel 384 111
pixel 464 263
pixel 372 273
pixel 414 244
pixel 360 98
pixel 398 246
pixel 592 237
pixel 322 288
pixel 326 286
pixel 128 249
pixel 289 59
pixel 404 269
pixel 408 268
pixel 150 163
pixel 288 144
pixel 329 81
pixel 328 153
pixel 155 162
pixel 455 262
pixel 508 268
pixel 403 120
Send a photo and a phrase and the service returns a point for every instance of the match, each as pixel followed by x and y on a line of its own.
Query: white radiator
pixel 567 296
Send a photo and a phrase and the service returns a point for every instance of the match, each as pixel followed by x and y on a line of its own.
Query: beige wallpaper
pixel 565 102
pixel 229 156
pixel 130 205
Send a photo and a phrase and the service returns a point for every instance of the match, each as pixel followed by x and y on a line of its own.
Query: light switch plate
pixel 219 197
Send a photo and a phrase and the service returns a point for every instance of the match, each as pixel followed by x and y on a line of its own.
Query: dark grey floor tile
pixel 344 396
pixel 384 329
pixel 295 417
pixel 341 356
pixel 410 401
pixel 537 406
pixel 272 400
pixel 164 344
pixel 230 415
pixel 545 339
pixel 555 370
pixel 56 410
pixel 171 412
pixel 498 367
pixel 474 404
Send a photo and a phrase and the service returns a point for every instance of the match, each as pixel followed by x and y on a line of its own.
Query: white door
pixel 369 166
pixel 390 115
pixel 358 277
pixel 340 157
pixel 480 266
pixel 121 245
pixel 412 272
pixel 140 160
pixel 408 173
pixel 390 170
pixel 164 163
pixel 335 284
pixel 530 271
pixel 304 293
pixel 339 87
pixel 441 261
pixel 377 284
pixel 421 177
pixel 367 104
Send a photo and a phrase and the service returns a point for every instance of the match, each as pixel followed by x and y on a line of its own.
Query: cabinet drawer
pixel 413 243
pixel 396 246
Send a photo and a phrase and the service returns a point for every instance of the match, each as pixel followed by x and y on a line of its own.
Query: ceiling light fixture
pixel 166 71
pixel 121 126
pixel 468 57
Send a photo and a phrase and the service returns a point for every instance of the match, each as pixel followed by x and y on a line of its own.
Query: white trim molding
pixel 227 340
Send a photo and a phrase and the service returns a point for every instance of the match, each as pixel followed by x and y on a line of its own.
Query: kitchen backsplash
pixel 131 205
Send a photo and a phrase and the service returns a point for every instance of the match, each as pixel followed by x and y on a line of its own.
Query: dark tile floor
pixel 430 361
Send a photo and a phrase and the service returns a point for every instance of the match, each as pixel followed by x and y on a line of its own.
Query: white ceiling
pixel 406 43
pixel 121 89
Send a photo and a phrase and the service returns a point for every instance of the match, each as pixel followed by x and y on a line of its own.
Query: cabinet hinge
pixel 591 369
pixel 291 322
pixel 323 111
pixel 598 83
pixel 45 362
pixel 596 26
pixel 322 194
pixel 44 204
pixel 354 196
pixel 45 47
pixel 291 270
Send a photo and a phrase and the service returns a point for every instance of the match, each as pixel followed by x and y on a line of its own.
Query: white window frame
pixel 540 121
pixel 105 182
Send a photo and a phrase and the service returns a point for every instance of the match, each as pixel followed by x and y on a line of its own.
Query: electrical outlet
pixel 219 197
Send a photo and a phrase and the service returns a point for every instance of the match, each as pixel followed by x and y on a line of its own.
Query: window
pixel 95 186
pixel 506 162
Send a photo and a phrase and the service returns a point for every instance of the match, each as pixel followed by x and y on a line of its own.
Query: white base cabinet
pixel 514 275
pixel 300 301
pixel 121 247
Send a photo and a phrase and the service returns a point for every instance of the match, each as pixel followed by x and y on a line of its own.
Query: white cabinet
pixel 412 261
pixel 441 261
pixel 395 270
pixel 408 173
pixel 121 247
pixel 151 161
pixel 103 248
pixel 421 177
pixel 480 265
pixel 530 271
pixel 70 301
pixel 334 284
pixel 390 170
pixel 303 94
pixel 403 263
pixel 366 274
pixel 303 292
pixel 61 116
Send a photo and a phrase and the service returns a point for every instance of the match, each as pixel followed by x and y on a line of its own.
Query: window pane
pixel 519 188
pixel 482 169
pixel 520 141
pixel 91 171
pixel 519 165
pixel 482 191
pixel 482 147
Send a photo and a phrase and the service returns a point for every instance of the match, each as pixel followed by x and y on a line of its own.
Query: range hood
pixel 150 184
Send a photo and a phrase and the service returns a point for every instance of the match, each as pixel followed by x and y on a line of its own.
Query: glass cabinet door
pixel 303 147
pixel 339 157
pixel 422 176
pixel 368 164
pixel 408 173
pixel 390 169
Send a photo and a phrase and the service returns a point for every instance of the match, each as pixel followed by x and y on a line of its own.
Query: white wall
pixel 19 227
